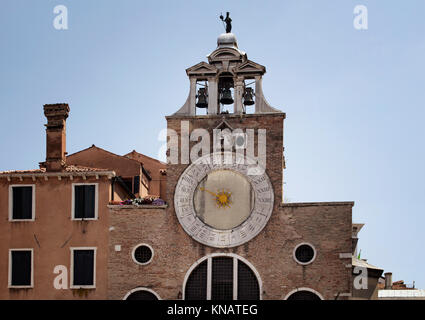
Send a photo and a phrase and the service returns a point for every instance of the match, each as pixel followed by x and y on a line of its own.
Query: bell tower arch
pixel 229 79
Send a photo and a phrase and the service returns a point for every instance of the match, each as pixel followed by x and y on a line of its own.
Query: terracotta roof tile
pixel 73 168
pixel 23 171
pixel 70 168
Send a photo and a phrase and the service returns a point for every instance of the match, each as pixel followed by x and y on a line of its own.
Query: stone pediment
pixel 224 125
pixel 202 69
pixel 250 67
pixel 229 54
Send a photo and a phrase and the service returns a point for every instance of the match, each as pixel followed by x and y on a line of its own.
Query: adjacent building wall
pixel 96 157
pixel 154 167
pixel 51 235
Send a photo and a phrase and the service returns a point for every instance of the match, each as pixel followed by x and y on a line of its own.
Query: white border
pixel 141 289
pixel 11 202
pixel 96 201
pixel 10 269
pixel 235 275
pixel 304 263
pixel 71 278
pixel 303 289
pixel 134 251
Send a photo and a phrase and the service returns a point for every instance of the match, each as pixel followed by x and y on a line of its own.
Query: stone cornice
pixel 317 204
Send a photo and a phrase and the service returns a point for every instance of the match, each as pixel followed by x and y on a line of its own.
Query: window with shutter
pixel 22 202
pixel 83 267
pixel 136 184
pixel 84 201
pixel 21 268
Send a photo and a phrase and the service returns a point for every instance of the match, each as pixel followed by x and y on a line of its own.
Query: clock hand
pixel 210 192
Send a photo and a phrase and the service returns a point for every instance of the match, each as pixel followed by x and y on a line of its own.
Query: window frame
pixel 96 201
pixel 308 262
pixel 11 219
pixel 133 254
pixel 9 282
pixel 71 277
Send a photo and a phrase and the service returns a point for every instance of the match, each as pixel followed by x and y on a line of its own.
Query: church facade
pixel 226 232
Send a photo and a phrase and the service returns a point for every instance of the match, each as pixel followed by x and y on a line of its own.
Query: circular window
pixel 143 254
pixel 304 253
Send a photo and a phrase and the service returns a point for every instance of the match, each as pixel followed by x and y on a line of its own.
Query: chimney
pixel 56 115
pixel 388 280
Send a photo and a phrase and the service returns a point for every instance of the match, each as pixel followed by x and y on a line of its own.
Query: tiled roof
pixel 73 168
pixel 142 156
pixel 70 168
pixel 23 171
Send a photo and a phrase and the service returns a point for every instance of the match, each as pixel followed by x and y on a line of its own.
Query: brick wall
pixel 327 226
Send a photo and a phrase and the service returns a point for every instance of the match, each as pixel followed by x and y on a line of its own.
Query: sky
pixel 354 99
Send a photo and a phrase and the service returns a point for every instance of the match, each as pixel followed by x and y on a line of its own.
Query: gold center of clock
pixel 224 199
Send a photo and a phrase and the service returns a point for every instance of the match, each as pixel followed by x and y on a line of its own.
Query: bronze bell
pixel 226 96
pixel 248 97
pixel 202 98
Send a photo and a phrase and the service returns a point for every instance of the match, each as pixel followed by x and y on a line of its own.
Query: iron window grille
pixel 222 278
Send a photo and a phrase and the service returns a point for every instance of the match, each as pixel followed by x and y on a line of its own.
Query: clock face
pixel 221 205
pixel 223 199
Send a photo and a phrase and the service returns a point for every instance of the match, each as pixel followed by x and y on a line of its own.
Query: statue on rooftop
pixel 228 22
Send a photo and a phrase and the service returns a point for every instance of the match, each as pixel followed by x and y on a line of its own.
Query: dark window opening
pixel 248 288
pixel 304 295
pixel 22 203
pixel 85 201
pixel 21 268
pixel 142 295
pixel 196 285
pixel 83 273
pixel 143 254
pixel 222 286
pixel 128 183
pixel 304 253
pixel 222 279
pixel 136 184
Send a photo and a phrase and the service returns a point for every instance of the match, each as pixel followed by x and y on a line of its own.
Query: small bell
pixel 202 98
pixel 248 97
pixel 226 96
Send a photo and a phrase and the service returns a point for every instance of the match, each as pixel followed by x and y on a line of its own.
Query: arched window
pixel 304 294
pixel 141 294
pixel 222 277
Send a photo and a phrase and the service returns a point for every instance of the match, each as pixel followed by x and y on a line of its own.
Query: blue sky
pixel 355 100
